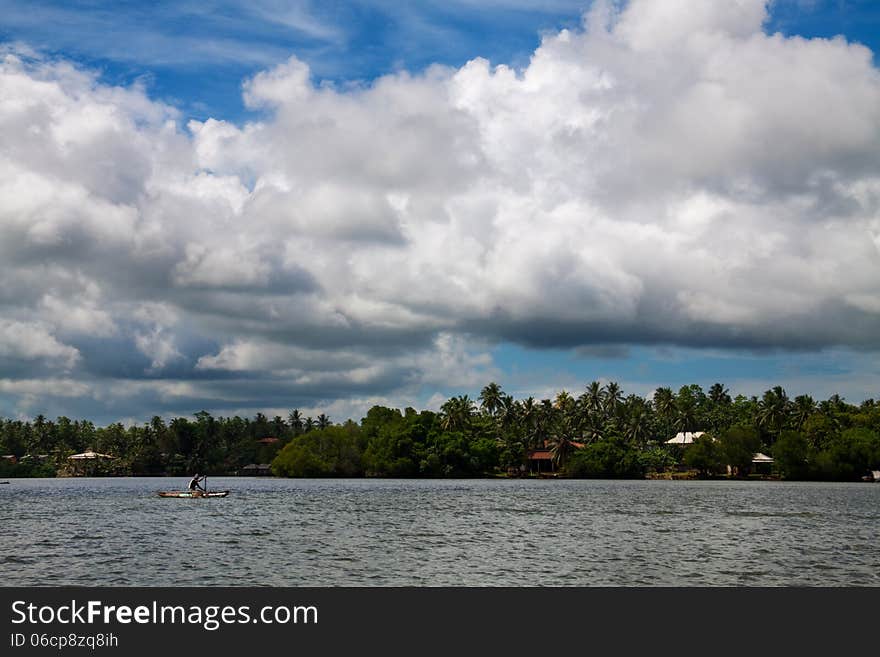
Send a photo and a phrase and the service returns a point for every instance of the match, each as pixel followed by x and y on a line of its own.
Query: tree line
pixel 598 432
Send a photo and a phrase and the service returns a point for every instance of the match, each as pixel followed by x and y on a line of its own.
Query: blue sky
pixel 195 55
pixel 614 319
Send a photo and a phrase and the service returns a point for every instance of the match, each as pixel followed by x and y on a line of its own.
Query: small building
pixel 540 460
pixel 761 463
pixel 10 458
pixel 89 464
pixel 269 440
pixel 256 470
pixel 89 456
pixel 684 437
pixel 39 458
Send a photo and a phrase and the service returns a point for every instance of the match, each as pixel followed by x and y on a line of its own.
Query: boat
pixel 874 476
pixel 193 494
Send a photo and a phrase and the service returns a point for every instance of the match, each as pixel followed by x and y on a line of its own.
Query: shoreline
pixel 662 476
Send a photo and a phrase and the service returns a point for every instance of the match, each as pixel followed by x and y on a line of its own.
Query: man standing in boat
pixel 195 485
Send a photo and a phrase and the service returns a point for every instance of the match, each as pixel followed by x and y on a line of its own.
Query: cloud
pixel 223 32
pixel 298 16
pixel 669 174
pixel 34 341
pixel 37 388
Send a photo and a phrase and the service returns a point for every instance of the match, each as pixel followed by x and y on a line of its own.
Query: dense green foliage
pixel 330 452
pixel 607 457
pixel 599 433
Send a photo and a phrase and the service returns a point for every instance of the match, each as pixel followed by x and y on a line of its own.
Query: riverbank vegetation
pixel 599 432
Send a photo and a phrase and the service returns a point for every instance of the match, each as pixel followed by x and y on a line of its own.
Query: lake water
pixel 283 532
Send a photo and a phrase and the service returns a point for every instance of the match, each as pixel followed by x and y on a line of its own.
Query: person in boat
pixel 196 485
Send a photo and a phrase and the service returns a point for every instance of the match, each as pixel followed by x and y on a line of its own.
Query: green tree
pixel 610 457
pixel 612 398
pixel 850 455
pixel 331 452
pixel 791 455
pixel 295 422
pixel 490 398
pixel 705 455
pixel 738 446
pixel 774 410
pixel 457 413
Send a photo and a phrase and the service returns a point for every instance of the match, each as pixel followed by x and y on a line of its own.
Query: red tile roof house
pixel 541 460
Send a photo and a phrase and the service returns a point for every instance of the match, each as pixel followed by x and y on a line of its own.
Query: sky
pixel 254 207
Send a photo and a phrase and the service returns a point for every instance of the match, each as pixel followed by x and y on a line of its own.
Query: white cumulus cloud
pixel 668 174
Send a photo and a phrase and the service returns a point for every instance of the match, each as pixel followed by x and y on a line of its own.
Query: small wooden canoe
pixel 193 494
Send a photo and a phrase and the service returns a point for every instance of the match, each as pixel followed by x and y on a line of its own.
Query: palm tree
pixel 528 419
pixel 593 397
pixel 719 394
pixel 685 413
pixel 309 424
pixel 637 424
pixel 323 421
pixel 717 413
pixel 664 406
pixel 834 404
pixel 773 410
pixel 508 412
pixel 41 431
pixel 545 417
pixel 592 428
pixel 561 448
pixel 295 421
pixel 490 398
pixel 613 396
pixel 564 402
pixel 456 413
pixel 804 407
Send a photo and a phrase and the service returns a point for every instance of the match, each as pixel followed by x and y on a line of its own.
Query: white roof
pixel 684 437
pixel 761 458
pixel 90 455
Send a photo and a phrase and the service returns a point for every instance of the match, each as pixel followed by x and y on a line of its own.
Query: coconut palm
pixel 323 421
pixel 490 398
pixel 664 406
pixel 527 417
pixel 561 448
pixel 773 410
pixel 719 394
pixel 456 413
pixel 508 412
pixel 564 402
pixel 592 397
pixel 611 399
pixel 545 419
pixel 295 421
pixel 685 413
pixel 804 407
pixel 834 404
pixel 636 428
pixel 592 428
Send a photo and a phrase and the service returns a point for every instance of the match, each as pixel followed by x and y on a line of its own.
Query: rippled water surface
pixel 117 532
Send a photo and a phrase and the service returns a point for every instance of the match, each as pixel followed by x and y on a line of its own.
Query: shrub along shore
pixel 599 432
